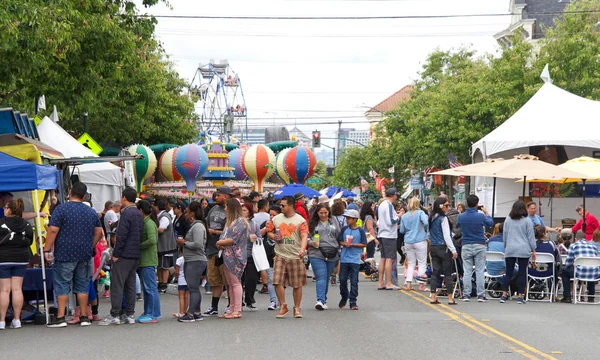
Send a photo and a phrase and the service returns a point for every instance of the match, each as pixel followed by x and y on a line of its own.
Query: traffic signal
pixel 316 139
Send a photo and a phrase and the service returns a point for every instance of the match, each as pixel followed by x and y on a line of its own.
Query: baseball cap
pixel 391 192
pixel 351 214
pixel 180 205
pixel 298 196
pixel 224 190
pixel 350 198
pixel 323 199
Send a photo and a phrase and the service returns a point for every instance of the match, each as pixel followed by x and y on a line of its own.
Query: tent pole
pixel 493 197
pixel 39 232
pixel 524 185
pixel 583 218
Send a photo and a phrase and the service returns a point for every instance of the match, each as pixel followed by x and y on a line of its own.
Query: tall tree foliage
pixel 93 56
pixel 460 97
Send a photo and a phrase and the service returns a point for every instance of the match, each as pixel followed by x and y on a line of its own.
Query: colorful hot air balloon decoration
pixel 300 163
pixel 280 167
pixel 166 164
pixel 143 168
pixel 235 161
pixel 191 161
pixel 258 163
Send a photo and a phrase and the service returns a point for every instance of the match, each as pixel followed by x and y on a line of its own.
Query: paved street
pixel 391 324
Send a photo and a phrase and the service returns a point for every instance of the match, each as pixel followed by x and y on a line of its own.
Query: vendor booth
pixel 20 175
pixel 103 179
pixel 554 125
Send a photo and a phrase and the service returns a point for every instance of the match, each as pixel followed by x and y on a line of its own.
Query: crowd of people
pixel 213 245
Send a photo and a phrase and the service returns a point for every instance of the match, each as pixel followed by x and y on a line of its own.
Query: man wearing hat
pixel 351 204
pixel 300 206
pixel 388 236
pixel 216 223
pixel 353 240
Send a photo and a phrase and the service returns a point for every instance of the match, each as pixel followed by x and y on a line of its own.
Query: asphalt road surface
pixel 389 324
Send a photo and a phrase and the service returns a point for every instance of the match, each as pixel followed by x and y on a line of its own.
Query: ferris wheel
pixel 221 106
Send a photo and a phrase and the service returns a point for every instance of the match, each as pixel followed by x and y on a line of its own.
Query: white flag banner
pixel 42 102
pixel 391 170
pixel 546 75
pixel 54 116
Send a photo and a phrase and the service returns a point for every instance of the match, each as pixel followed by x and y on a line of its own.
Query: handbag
pixel 259 255
pixel 370 237
pixel 329 252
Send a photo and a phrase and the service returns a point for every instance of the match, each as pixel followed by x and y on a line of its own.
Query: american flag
pixel 454 164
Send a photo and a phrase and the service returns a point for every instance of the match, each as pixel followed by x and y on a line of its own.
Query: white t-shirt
pixel 261 217
pixel 110 218
pixel 164 222
pixel 181 279
pixel 387 221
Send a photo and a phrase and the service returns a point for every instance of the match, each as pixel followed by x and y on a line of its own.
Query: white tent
pixel 103 179
pixel 553 116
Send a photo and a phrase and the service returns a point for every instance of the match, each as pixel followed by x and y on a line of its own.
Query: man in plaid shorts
pixel 581 248
pixel 290 232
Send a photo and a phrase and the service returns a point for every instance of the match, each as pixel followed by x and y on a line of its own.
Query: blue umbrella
pixel 332 190
pixel 293 189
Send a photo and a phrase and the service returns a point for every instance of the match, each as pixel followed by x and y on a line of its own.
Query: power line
pixel 385 17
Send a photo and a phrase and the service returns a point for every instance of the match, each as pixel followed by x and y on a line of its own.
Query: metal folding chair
pixel 587 262
pixel 492 256
pixel 542 259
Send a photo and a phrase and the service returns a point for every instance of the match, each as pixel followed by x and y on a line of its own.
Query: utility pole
pixel 339 135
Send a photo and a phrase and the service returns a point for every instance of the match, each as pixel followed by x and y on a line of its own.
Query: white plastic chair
pixel 492 256
pixel 587 262
pixel 542 259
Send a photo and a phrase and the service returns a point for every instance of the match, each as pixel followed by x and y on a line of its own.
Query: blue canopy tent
pixel 332 190
pixel 22 175
pixel 293 189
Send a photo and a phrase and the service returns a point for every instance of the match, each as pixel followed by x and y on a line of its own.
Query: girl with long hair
pixel 194 260
pixel 414 225
pixel 367 216
pixel 234 243
pixel 323 250
pixel 442 249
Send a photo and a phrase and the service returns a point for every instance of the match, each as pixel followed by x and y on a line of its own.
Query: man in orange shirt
pixel 290 232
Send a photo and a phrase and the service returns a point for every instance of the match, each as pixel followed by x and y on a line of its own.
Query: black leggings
pixel 251 279
pixel 441 263
pixel 521 276
pixel 192 271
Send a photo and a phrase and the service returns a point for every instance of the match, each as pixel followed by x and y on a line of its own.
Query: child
pixel 184 294
pixel 353 240
pixel 564 240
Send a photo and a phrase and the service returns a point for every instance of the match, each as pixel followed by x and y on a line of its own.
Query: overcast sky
pixel 314 72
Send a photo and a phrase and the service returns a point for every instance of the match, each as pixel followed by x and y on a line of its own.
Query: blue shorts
pixel 8 271
pixel 182 287
pixel 77 273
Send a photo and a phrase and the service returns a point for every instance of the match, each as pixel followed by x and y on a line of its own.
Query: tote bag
pixel 260 255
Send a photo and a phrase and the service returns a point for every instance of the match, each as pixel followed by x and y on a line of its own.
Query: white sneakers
pixel 15 324
pixel 320 306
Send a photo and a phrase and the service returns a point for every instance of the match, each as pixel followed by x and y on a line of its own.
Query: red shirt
pixel 591 224
pixel 302 212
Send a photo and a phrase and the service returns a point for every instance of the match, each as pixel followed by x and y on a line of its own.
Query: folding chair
pixel 587 262
pixel 492 256
pixel 542 259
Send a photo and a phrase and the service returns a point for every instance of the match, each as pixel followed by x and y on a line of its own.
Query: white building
pixel 300 137
pixel 358 139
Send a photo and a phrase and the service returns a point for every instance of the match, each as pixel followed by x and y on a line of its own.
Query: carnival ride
pixel 221 106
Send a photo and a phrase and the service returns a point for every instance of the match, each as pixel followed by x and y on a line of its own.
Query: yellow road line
pixel 479 326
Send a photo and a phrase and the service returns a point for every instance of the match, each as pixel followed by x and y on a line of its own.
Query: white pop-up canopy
pixel 553 116
pixel 103 179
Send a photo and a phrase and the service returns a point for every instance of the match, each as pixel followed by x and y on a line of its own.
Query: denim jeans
pixel 270 287
pixel 474 254
pixel 71 276
pixel 150 290
pixel 322 270
pixel 348 270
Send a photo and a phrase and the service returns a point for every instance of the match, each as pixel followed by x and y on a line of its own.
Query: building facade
pixel 529 19
pixel 358 139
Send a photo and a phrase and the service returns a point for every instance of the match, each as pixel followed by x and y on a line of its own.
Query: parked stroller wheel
pixel 375 276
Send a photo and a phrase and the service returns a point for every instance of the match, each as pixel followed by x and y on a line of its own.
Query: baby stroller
pixel 369 267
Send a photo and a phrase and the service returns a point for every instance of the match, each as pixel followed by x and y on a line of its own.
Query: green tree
pixel 94 56
pixel 319 180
